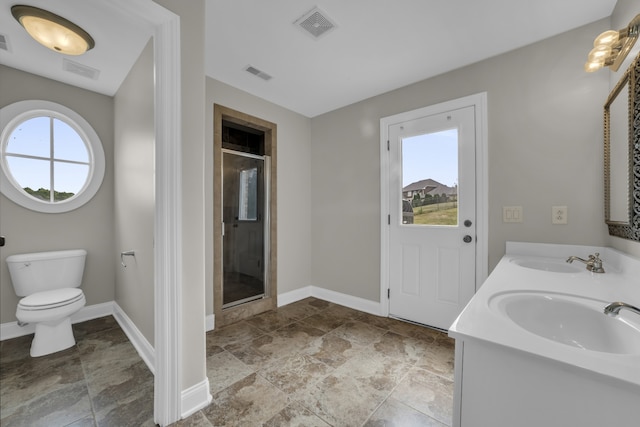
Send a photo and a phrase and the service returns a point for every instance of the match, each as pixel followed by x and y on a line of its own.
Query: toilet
pixel 49 283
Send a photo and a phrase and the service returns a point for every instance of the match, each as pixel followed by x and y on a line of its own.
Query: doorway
pixel 433 252
pixel 244 215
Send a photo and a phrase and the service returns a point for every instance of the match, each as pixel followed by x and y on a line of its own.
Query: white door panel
pixel 431 266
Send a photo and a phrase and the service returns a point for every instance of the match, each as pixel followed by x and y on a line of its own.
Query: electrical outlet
pixel 512 214
pixel 558 214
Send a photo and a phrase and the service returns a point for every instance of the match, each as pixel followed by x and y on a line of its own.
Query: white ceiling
pixel 378 45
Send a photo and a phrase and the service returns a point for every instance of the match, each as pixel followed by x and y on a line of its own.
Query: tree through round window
pixel 52 159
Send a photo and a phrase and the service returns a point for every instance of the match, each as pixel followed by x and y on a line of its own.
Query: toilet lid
pixel 51 299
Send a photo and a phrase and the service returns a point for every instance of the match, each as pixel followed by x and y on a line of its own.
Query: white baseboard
pixel 357 303
pixel 94 311
pixel 195 398
pixel 361 304
pixel 147 353
pixel 210 322
pixel 140 343
pixel 12 330
pixel 293 296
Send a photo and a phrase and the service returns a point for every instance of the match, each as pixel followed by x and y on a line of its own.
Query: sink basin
pixel 555 266
pixel 570 320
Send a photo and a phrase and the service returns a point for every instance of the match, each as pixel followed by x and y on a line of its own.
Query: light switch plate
pixel 559 214
pixel 512 214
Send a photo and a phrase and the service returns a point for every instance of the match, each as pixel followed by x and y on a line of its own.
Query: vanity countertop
pixel 620 282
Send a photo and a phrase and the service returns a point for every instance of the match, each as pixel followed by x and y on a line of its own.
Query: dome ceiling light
pixel 53 31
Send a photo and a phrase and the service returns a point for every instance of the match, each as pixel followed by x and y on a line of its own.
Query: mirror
pixel 622 155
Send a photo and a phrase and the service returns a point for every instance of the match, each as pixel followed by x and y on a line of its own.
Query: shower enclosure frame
pixel 266 236
pixel 224 316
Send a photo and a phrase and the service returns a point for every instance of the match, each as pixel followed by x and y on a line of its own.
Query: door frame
pixel 479 102
pixel 168 402
pixel 270 302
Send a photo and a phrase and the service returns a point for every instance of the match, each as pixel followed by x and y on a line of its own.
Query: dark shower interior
pixel 243 214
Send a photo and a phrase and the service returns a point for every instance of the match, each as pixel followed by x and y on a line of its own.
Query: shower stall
pixel 245 199
pixel 246 172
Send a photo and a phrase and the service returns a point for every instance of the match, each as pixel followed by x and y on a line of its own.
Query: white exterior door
pixel 432 250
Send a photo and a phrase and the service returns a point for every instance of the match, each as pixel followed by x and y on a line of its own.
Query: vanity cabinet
pixel 534 347
pixel 503 387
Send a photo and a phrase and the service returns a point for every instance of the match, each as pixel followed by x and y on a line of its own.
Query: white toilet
pixel 50 284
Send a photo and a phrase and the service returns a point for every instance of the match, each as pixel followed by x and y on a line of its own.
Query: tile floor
pixel 101 381
pixel 310 363
pixel 314 363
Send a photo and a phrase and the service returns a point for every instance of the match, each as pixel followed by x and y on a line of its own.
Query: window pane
pixel 68 179
pixel 31 138
pixel 248 195
pixel 67 143
pixel 430 178
pixel 32 175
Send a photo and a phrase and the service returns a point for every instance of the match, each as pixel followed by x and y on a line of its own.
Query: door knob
pixel 467 223
pixel 467 239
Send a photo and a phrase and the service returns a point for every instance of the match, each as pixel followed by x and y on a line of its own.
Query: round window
pixel 51 158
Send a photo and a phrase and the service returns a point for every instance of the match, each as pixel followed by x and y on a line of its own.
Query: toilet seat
pixel 51 299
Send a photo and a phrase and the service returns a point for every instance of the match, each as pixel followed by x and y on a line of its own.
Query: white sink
pixel 570 320
pixel 555 266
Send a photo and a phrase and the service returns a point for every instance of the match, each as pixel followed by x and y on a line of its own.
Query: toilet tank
pixel 45 271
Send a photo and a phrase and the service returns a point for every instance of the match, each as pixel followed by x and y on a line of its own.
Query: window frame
pixel 14 114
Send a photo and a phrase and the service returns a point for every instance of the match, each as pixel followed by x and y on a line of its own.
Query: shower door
pixel 245 227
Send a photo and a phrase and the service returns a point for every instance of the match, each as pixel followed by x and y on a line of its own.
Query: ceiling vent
pixel 4 43
pixel 253 70
pixel 315 23
pixel 79 69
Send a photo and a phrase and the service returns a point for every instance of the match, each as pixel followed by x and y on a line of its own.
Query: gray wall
pixel 89 227
pixel 134 206
pixel 294 184
pixel 544 144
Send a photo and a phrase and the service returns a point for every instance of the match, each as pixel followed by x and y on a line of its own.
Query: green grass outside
pixel 436 214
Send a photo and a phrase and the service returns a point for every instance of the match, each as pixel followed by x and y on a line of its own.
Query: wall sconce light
pixel 612 47
pixel 53 31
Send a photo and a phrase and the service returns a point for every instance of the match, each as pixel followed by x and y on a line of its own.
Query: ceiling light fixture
pixel 53 31
pixel 612 47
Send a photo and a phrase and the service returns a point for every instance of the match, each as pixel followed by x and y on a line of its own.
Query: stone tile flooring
pixel 310 363
pixel 101 381
pixel 314 363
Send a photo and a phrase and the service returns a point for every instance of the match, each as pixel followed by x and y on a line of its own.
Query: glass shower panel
pixel 243 217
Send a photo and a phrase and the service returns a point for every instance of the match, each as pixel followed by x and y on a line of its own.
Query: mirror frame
pixel 629 229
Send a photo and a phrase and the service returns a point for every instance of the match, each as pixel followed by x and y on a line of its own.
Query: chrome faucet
pixel 594 263
pixel 614 308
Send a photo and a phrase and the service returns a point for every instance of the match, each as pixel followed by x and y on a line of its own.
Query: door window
pixel 430 178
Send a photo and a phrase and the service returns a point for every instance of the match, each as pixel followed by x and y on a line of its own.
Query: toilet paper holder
pixel 124 254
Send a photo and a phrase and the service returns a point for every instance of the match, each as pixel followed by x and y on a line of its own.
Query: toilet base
pixel 52 337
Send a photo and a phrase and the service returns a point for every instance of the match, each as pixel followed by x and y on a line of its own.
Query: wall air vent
pixel 4 43
pixel 315 23
pixel 79 69
pixel 253 70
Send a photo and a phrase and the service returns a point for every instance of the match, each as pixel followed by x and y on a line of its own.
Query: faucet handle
pixel 595 263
